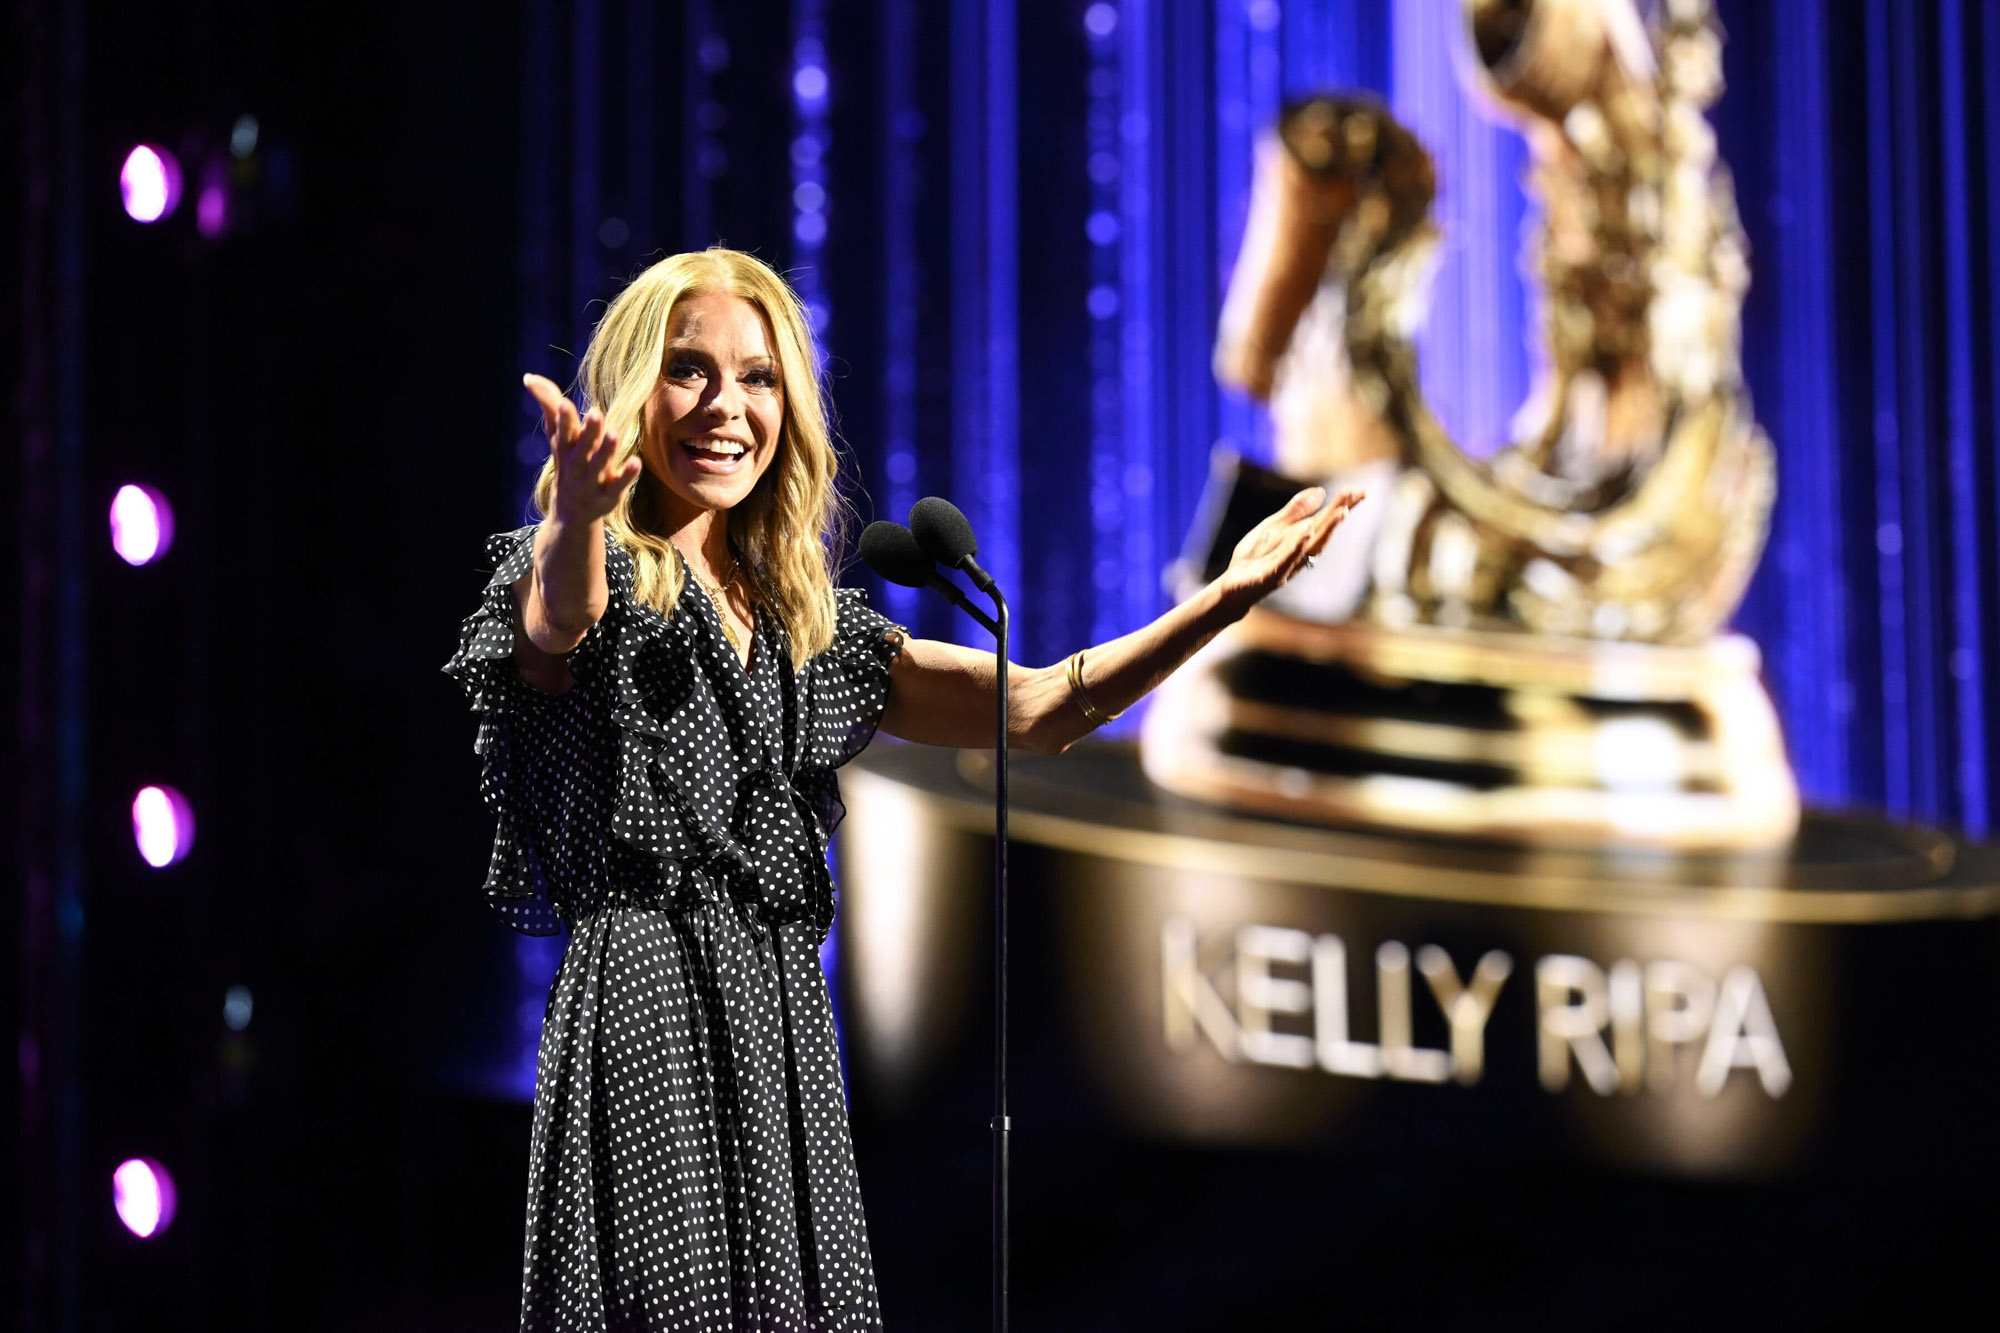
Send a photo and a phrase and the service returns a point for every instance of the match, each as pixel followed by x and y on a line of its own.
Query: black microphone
pixel 946 536
pixel 891 550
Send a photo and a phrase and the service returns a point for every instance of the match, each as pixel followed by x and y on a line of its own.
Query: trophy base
pixel 1480 734
pixel 1193 976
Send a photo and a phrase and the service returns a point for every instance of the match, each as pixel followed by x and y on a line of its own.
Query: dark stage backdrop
pixel 1014 219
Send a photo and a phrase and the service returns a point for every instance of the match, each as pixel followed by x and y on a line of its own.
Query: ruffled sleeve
pixel 518 727
pixel 850 682
pixel 847 690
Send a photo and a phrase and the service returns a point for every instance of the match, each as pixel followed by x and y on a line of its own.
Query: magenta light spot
pixel 143 1194
pixel 142 524
pixel 162 825
pixel 211 209
pixel 150 182
pixel 1100 20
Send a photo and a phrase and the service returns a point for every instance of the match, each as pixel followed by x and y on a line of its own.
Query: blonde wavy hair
pixel 787 532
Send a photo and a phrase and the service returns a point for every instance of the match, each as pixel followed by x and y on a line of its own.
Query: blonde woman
pixel 667 680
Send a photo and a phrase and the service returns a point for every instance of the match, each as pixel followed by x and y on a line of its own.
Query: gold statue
pixel 1527 646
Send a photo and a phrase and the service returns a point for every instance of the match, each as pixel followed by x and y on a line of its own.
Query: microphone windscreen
pixel 892 552
pixel 942 531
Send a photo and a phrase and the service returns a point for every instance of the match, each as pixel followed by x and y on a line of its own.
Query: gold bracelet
pixel 1091 712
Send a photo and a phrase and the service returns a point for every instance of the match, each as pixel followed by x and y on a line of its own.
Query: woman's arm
pixel 565 593
pixel 942 694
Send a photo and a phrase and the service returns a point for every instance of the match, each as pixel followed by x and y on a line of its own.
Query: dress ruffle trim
pixel 643 663
pixel 865 643
pixel 516 883
pixel 778 877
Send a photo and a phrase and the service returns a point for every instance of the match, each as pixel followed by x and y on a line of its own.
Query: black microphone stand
pixel 1002 1126
pixel 898 554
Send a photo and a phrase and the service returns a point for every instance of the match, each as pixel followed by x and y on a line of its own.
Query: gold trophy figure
pixel 1528 647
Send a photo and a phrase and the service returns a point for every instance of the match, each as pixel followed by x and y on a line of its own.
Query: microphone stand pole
pixel 1002 1126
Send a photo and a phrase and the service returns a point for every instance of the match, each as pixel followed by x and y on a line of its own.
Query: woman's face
pixel 713 424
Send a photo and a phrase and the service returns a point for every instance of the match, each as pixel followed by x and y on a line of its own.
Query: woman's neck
pixel 702 537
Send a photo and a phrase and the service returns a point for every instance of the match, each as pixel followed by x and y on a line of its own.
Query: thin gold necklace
pixel 718 598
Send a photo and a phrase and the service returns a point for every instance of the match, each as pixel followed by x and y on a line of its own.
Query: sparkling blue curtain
pixel 1861 138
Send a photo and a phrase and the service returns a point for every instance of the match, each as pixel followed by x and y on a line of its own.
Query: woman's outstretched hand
pixel 589 478
pixel 1278 548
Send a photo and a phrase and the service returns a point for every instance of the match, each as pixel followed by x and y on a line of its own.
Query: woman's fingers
pixel 590 476
pixel 591 452
pixel 564 432
pixel 1332 517
pixel 1274 552
pixel 542 389
pixel 604 464
pixel 1270 535
pixel 1294 543
pixel 548 398
pixel 584 444
pixel 1320 529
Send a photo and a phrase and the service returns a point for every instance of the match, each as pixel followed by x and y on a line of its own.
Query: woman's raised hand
pixel 589 478
pixel 1278 548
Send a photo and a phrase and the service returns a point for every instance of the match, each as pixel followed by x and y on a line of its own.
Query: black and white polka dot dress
pixel 690 1166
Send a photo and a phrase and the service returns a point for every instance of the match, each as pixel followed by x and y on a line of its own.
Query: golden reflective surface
pixel 1617 526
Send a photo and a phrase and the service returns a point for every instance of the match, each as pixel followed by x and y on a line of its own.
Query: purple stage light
pixel 142 524
pixel 809 83
pixel 150 183
pixel 211 209
pixel 162 825
pixel 143 1194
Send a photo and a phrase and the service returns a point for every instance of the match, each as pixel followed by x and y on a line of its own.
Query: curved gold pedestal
pixel 1190 974
pixel 1514 737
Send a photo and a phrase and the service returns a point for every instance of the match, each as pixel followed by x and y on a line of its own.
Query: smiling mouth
pixel 715 450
